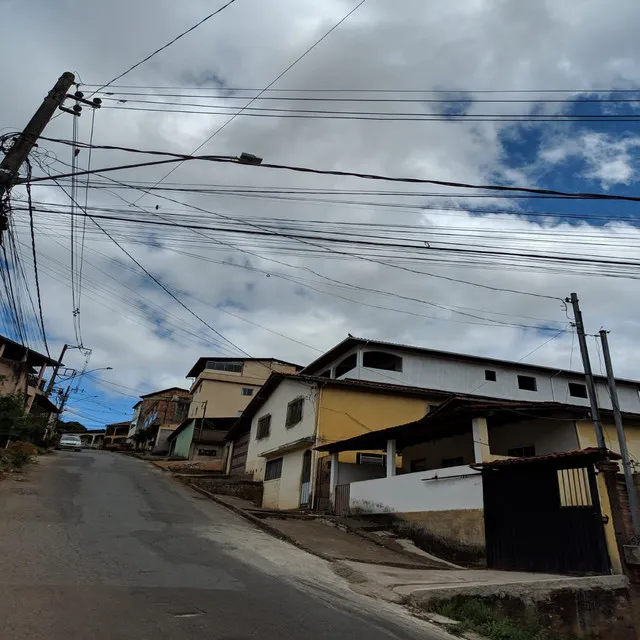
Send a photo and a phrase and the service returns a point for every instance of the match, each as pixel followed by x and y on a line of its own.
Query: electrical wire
pixel 274 81
pixel 162 48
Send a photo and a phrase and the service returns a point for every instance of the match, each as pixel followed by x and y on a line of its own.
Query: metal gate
pixel 341 500
pixel 539 517
pixel 305 480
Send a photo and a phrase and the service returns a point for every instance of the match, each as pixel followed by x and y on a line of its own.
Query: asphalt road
pixel 97 545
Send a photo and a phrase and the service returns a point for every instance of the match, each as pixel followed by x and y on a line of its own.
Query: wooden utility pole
pixel 588 373
pixel 54 374
pixel 19 152
pixel 622 438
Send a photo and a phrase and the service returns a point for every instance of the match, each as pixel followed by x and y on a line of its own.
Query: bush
pixel 20 453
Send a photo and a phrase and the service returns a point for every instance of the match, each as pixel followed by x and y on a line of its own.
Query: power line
pixel 278 77
pixel 35 262
pixel 327 172
pixel 166 46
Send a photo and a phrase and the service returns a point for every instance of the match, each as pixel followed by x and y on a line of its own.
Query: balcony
pixel 32 381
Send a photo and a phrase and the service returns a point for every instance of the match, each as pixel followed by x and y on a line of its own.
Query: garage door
pixel 239 457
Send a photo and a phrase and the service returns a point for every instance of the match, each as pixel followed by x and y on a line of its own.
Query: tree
pixel 15 424
pixel 71 427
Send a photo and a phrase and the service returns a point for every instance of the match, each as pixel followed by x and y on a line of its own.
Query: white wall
pixel 349 472
pixel 547 436
pixel 412 492
pixel 284 493
pixel 280 435
pixel 436 450
pixel 449 374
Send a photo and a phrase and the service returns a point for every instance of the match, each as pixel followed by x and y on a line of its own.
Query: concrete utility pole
pixel 54 374
pixel 588 373
pixel 622 438
pixel 19 152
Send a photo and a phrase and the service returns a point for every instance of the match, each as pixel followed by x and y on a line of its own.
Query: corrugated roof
pixel 589 454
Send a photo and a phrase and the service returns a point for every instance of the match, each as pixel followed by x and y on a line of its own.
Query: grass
pixel 477 615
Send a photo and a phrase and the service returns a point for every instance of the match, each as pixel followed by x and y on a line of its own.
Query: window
pixel 528 451
pixel 207 452
pixel 577 390
pixel 489 375
pixel 377 459
pixel 264 427
pixel 452 462
pixel 247 391
pixel 294 412
pixel 527 383
pixel 350 362
pixel 273 470
pixel 234 366
pixel 382 360
pixel 418 465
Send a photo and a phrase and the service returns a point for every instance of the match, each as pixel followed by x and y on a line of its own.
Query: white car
pixel 70 441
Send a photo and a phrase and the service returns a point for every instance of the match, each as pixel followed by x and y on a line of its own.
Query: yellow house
pixel 291 415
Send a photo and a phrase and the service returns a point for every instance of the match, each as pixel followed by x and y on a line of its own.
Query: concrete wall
pixel 434 490
pixel 280 435
pixel 547 436
pixel 457 375
pixel 13 377
pixel 349 472
pixel 587 436
pixel 182 444
pixel 435 451
pixel 284 493
pixel 345 413
pixel 162 445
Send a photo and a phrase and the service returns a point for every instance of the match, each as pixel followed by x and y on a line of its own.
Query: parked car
pixel 70 442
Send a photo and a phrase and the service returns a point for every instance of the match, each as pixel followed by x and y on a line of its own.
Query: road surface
pixel 97 545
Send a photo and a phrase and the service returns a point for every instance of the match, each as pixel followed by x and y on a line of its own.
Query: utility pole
pixel 19 152
pixel 622 438
pixel 588 373
pixel 54 374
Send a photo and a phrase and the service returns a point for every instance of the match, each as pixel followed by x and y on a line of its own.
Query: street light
pixel 84 373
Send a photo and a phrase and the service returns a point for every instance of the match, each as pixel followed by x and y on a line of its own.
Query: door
pixel 541 518
pixel 305 479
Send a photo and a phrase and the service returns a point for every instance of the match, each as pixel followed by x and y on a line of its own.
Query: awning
pixel 302 443
pixel 563 460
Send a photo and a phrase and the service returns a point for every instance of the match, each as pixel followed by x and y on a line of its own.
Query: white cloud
pixel 135 327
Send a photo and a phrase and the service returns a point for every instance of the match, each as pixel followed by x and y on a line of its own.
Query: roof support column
pixel 480 430
pixel 391 458
pixel 333 481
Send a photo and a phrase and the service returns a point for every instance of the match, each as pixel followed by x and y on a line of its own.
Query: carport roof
pixel 452 417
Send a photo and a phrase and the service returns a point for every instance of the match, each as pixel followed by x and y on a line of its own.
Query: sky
pixel 266 295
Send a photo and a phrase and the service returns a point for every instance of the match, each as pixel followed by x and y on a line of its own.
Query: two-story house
pixel 22 374
pixel 221 389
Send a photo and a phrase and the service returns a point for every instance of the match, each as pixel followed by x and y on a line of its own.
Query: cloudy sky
pixel 506 85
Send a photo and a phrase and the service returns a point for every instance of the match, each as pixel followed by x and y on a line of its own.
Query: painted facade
pixel 360 359
pixel 329 413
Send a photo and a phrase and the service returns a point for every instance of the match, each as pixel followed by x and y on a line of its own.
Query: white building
pixel 385 362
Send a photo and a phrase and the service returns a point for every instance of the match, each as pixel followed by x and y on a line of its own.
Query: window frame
pixel 380 459
pixel 249 389
pixel 526 451
pixel 270 475
pixel 583 387
pixel 290 420
pixel 226 366
pixel 522 377
pixel 263 432
pixel 398 360
pixel 490 375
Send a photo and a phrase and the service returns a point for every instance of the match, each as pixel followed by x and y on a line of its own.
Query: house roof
pixel 45 404
pixel 218 425
pixel 157 393
pixel 451 417
pixel 242 424
pixel 564 459
pixel 351 342
pixel 118 424
pixel 199 366
pixel 16 351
